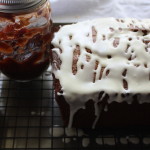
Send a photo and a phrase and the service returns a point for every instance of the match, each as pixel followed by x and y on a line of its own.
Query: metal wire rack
pixel 30 120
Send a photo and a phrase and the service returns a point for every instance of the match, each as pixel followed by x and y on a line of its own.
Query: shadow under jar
pixel 25 36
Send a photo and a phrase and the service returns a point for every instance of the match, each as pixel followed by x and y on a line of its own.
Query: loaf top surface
pixel 111 55
pixel 103 58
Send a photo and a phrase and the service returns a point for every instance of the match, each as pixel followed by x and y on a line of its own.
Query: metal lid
pixel 14 6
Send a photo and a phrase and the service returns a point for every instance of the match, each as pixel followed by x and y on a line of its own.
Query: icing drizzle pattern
pixel 110 55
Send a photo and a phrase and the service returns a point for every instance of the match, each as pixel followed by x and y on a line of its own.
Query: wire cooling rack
pixel 30 120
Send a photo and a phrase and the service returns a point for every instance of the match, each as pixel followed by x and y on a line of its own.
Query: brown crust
pixel 118 114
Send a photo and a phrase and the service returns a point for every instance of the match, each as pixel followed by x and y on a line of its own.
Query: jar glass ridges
pixel 25 42
pixel 19 5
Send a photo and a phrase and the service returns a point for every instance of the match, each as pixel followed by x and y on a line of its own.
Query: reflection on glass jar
pixel 25 36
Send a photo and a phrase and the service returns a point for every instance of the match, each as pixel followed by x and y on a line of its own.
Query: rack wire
pixel 30 119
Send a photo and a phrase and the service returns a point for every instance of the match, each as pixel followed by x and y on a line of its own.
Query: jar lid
pixel 14 6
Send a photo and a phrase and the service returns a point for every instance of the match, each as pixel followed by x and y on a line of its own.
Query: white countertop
pixel 78 10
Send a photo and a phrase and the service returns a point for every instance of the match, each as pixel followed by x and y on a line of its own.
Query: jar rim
pixel 16 6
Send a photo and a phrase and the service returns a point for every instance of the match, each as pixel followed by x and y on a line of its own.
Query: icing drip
pixel 110 55
pixel 98 110
pixel 71 134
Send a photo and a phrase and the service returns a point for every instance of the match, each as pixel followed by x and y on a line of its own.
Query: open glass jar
pixel 25 36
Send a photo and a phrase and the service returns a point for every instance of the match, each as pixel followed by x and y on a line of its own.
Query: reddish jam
pixel 25 43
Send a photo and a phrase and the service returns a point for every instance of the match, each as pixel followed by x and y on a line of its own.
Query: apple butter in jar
pixel 25 36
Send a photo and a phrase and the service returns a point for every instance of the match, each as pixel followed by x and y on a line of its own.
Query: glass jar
pixel 25 36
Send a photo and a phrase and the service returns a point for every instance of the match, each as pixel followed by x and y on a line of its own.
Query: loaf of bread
pixel 101 72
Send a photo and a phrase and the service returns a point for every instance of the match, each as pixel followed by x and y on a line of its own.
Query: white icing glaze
pixel 115 44
pixel 98 110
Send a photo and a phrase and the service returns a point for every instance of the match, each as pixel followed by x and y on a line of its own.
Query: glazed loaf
pixel 101 72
